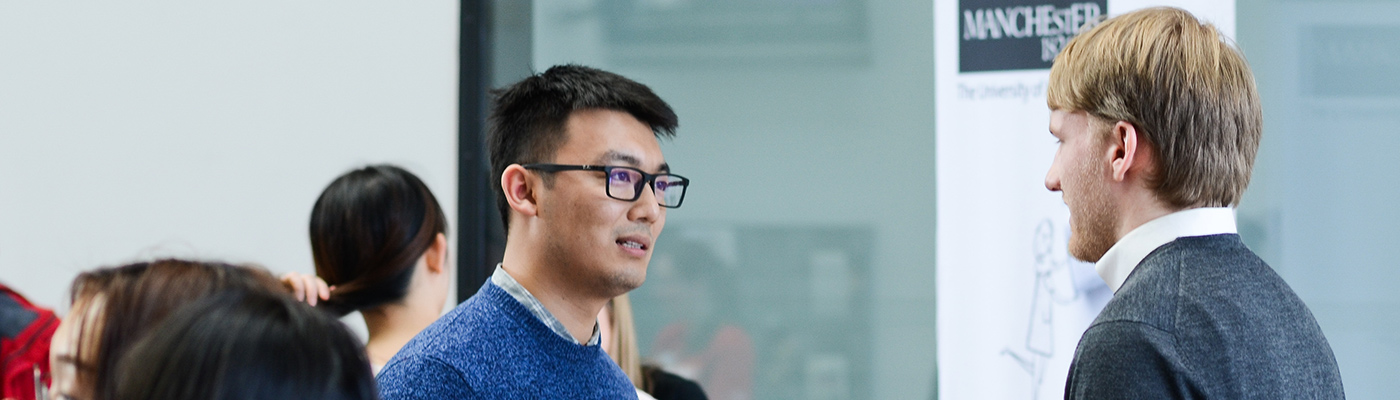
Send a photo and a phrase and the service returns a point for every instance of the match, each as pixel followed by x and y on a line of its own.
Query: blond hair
pixel 627 356
pixel 1184 87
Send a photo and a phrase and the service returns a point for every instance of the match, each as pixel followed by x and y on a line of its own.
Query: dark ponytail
pixel 368 229
pixel 246 345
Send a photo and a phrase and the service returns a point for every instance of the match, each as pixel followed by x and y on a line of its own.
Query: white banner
pixel 1012 303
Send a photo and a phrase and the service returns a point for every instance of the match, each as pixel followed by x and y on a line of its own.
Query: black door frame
pixel 480 241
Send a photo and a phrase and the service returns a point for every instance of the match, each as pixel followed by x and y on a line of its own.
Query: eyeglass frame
pixel 648 180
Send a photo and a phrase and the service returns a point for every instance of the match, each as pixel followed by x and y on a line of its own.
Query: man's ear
pixel 436 256
pixel 519 186
pixel 1126 148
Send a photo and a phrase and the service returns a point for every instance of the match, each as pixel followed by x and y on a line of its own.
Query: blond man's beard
pixel 1092 215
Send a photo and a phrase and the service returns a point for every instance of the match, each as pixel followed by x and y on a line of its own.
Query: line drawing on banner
pixel 1056 283
pixel 1011 324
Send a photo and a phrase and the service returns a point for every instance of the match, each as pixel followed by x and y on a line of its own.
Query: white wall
pixel 206 129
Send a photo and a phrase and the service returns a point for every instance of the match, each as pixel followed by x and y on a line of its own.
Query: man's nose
pixel 1052 180
pixel 646 208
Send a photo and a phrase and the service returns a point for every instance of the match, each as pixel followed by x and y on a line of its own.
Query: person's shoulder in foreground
pixel 1159 123
pixel 493 347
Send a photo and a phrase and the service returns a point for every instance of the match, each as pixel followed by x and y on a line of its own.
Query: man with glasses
pixel 583 191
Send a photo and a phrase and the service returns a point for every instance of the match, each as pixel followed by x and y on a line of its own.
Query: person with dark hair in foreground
pixel 378 236
pixel 246 346
pixel 583 189
pixel 1159 121
pixel 112 308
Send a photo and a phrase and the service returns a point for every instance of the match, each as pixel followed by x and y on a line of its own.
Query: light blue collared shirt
pixel 503 280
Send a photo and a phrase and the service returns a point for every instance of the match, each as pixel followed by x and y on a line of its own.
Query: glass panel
pixel 1321 207
pixel 788 276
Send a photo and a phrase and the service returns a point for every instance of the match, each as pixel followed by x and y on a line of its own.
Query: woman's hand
pixel 307 288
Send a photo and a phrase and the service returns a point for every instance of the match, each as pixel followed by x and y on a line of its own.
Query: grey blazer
pixel 1204 318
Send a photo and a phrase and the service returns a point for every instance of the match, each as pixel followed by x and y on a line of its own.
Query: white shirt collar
pixel 1125 255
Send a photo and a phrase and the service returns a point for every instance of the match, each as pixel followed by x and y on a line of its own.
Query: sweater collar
pixel 503 280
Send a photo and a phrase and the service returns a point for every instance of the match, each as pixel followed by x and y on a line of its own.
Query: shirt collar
pixel 1125 255
pixel 503 280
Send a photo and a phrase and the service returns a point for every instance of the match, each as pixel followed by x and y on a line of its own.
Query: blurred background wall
pixel 815 121
pixel 1321 207
pixel 807 236
pixel 207 129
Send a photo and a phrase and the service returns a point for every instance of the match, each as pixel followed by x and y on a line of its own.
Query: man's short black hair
pixel 528 118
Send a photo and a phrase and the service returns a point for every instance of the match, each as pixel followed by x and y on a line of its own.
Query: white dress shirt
pixel 1125 255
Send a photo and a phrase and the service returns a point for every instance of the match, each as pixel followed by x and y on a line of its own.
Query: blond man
pixel 1158 121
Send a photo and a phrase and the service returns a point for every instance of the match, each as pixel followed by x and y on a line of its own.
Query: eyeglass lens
pixel 623 184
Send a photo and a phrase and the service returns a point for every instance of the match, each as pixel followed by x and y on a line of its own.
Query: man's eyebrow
pixel 613 155
pixel 631 161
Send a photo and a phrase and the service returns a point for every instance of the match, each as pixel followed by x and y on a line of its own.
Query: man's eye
pixel 621 176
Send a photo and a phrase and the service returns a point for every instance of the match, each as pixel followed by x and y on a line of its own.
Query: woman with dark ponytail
pixel 379 240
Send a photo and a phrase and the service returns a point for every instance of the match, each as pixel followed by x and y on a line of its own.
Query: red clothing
pixel 25 333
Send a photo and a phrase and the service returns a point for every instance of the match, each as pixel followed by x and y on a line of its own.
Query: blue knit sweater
pixel 491 347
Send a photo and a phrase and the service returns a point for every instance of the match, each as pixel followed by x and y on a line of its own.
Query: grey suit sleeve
pixel 1128 360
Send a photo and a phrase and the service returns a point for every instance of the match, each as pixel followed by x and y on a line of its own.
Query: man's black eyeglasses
pixel 625 183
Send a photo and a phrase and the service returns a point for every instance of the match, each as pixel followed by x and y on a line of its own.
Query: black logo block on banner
pixel 1001 35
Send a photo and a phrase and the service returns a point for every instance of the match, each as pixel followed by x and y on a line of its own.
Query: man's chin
pixel 1085 256
pixel 1087 250
pixel 629 279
